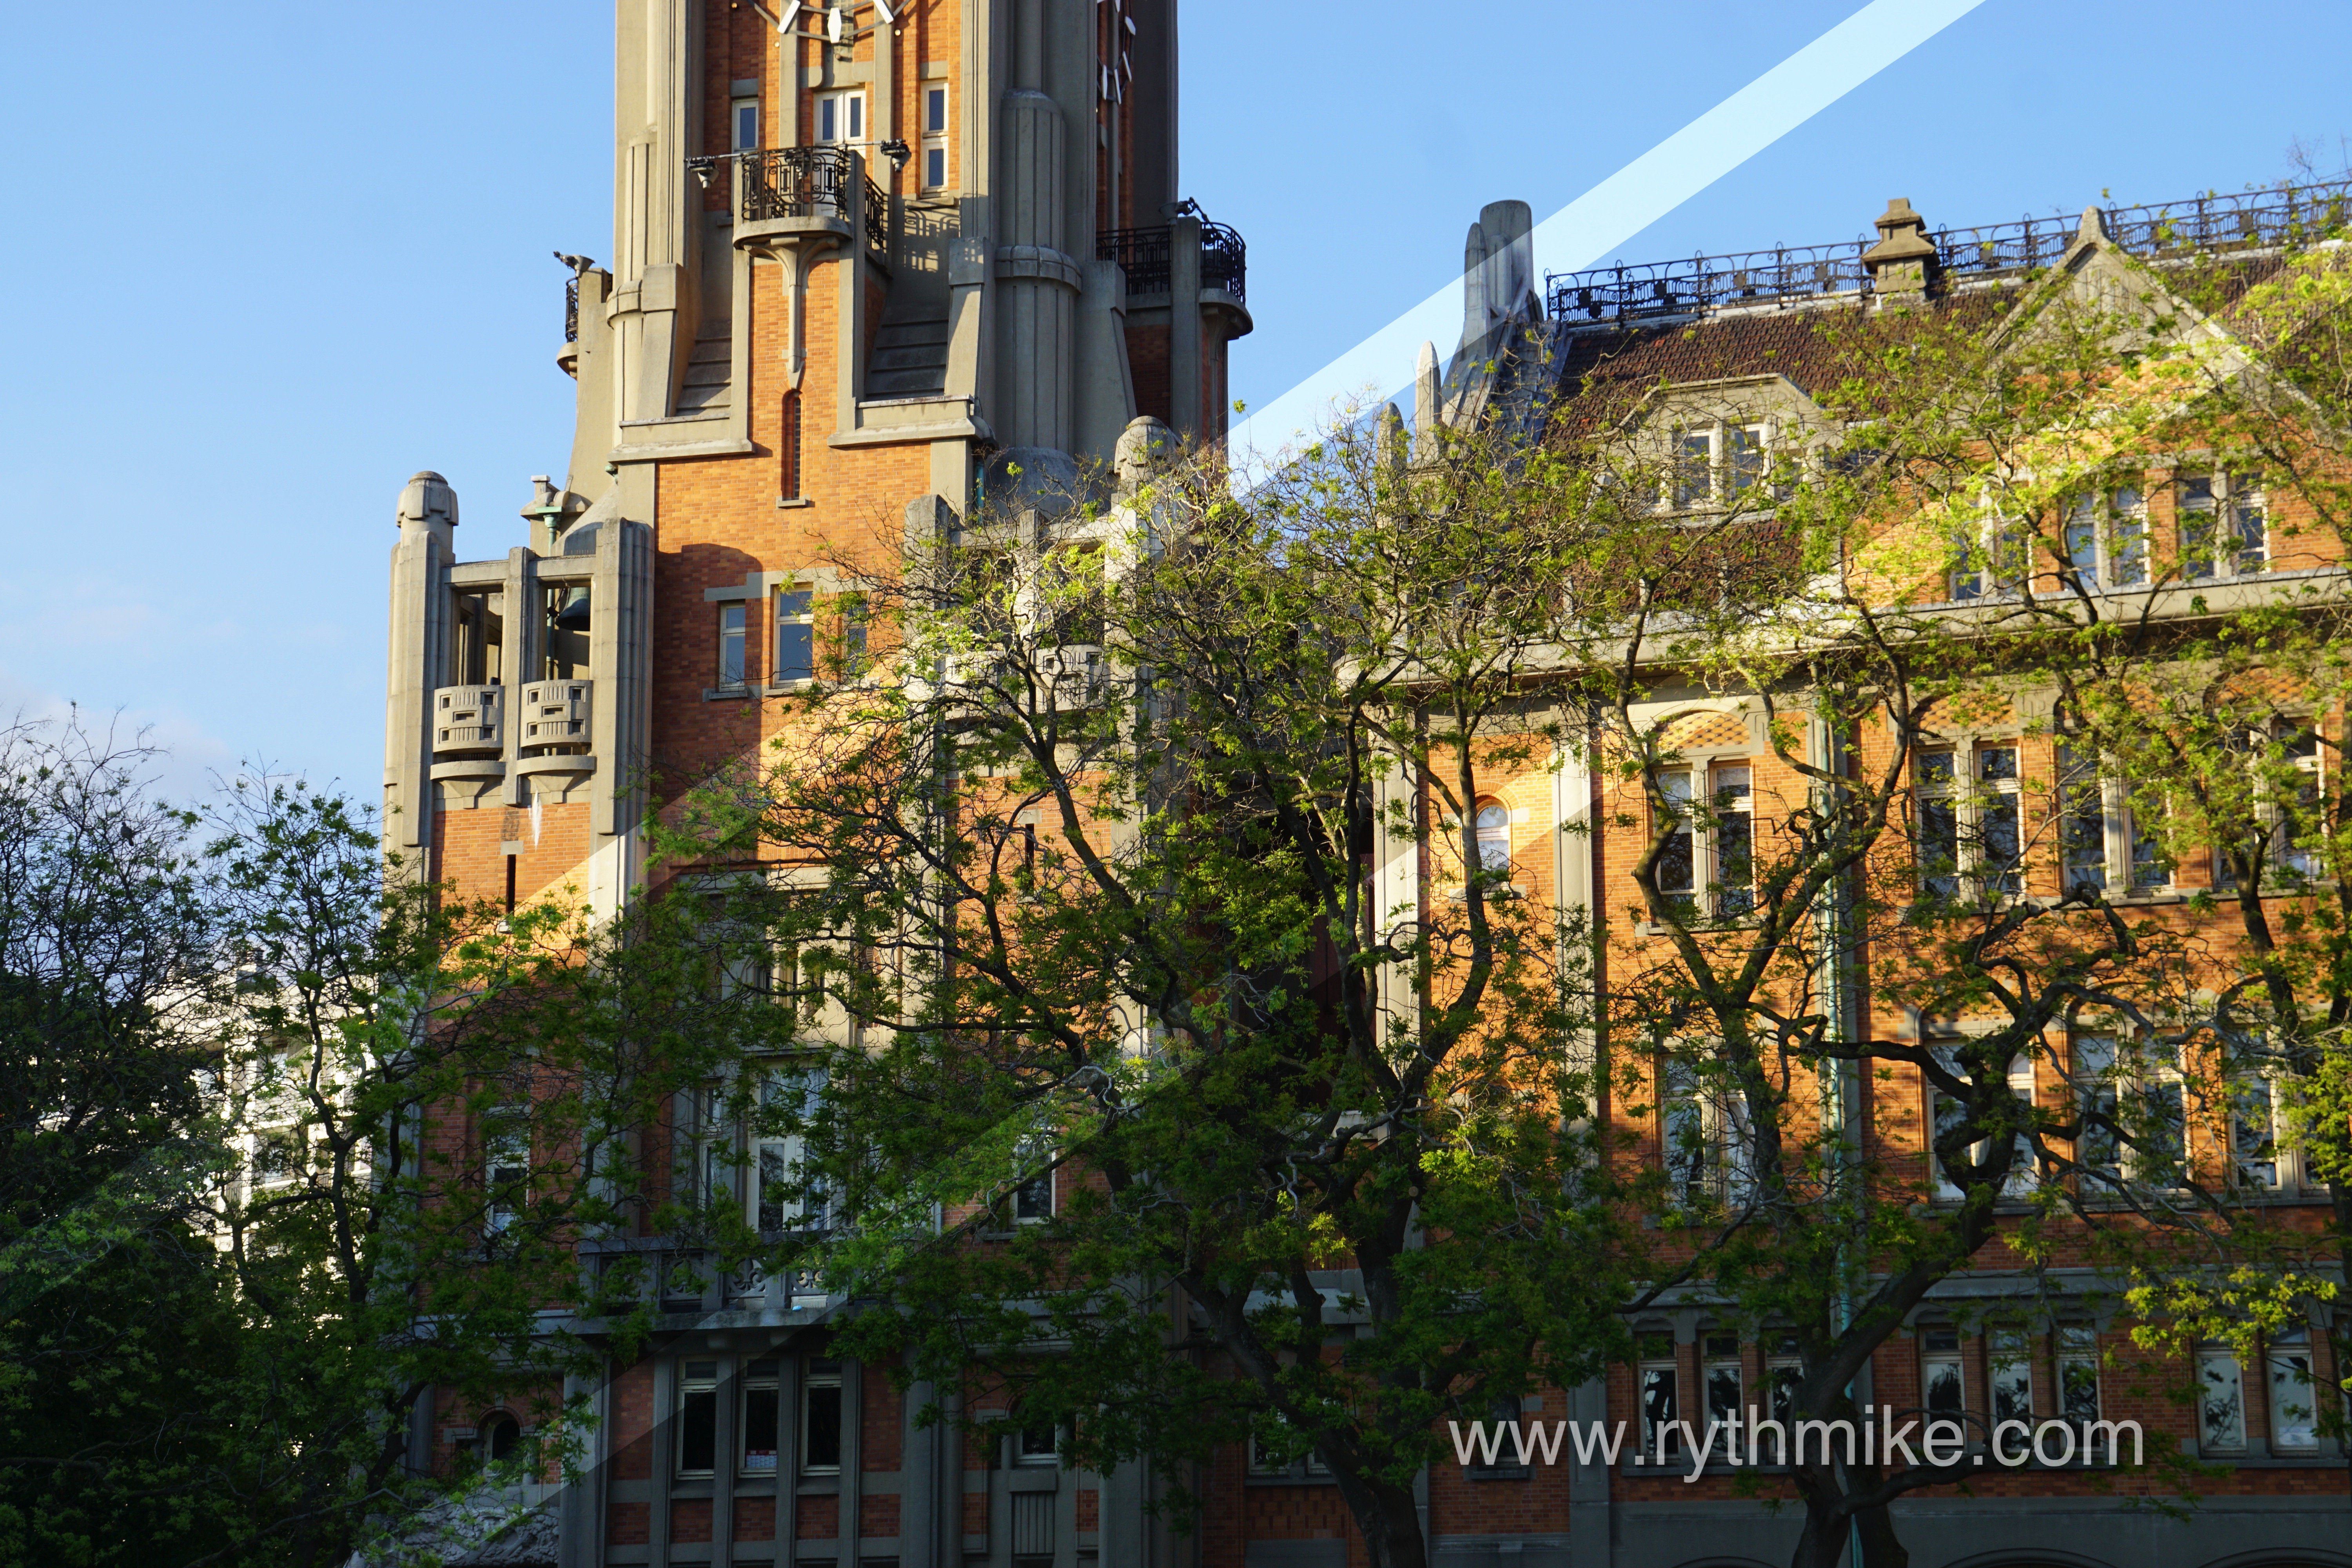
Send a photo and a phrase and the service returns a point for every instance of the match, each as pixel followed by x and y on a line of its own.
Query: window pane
pixel 2249 1133
pixel 1943 1381
pixel 856 116
pixel 1723 1392
pixel 2128 541
pixel 747 123
pixel 1743 456
pixel 2196 508
pixel 731 645
pixel 2249 535
pixel 2084 827
pixel 2083 540
pixel 795 651
pixel 759 1416
pixel 935 167
pixel 1493 825
pixel 935 111
pixel 2002 845
pixel 1659 1409
pixel 1940 846
pixel 2223 1404
pixel 826 108
pixel 821 1426
pixel 698 1431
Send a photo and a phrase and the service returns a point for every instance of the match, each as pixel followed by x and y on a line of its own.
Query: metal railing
pixel 2285 214
pixel 572 310
pixel 798 182
pixel 1144 255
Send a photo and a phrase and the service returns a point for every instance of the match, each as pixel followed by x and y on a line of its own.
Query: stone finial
pixel 2094 227
pixel 1143 449
pixel 427 498
pixel 1425 411
pixel 1905 259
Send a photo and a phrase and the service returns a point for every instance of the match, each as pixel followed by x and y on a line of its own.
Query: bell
pixel 574 616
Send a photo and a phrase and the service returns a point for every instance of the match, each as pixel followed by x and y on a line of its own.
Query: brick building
pixel 874 265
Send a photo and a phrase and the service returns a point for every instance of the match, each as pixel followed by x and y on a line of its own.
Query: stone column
pixel 1037 280
pixel 1184 367
pixel 415 663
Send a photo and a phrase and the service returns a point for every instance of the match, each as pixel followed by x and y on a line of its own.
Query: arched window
pixel 501 1435
pixel 1493 824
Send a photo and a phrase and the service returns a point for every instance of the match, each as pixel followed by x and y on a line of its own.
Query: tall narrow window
pixel 1784 1369
pixel 2000 843
pixel 1940 824
pixel 1726 1387
pixel 1694 468
pixel 746 113
pixel 2294 1403
pixel 505 1167
pixel 1733 835
pixel 1033 1200
pixel 731 619
pixel 935 136
pixel 788 450
pixel 2083 827
pixel 2164 1115
pixel 795 635
pixel 2098 1148
pixel 1661 1401
pixel 2222 1400
pixel 2249 532
pixel 2301 821
pixel 697 1417
pixel 1677 863
pixel 2078 1372
pixel 1743 458
pixel 2012 1365
pixel 852 637
pixel 1693 1160
pixel 2252 1138
pixel 821 1417
pixel 789 1198
pixel 1940 1381
pixel 1494 826
pixel 761 1419
pixel 2223 530
pixel 2126 537
pixel 2082 540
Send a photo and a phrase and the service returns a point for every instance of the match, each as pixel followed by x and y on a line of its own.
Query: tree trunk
pixel 1389 1519
pixel 1822 1545
pixel 1881 1547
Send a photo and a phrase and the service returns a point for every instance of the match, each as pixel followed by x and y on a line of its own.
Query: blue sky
pixel 271 258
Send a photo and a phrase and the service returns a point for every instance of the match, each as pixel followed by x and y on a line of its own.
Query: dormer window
pixel 1718 463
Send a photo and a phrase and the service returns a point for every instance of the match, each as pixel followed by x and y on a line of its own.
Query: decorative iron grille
pixel 2284 215
pixel 784 181
pixel 877 221
pixel 1144 255
pixel 572 312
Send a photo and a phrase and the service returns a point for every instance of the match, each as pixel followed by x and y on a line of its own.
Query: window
pixel 1677 862
pixel 1733 831
pixel 1718 461
pixel 2106 539
pixel 1702 1134
pixel 1941 1380
pixel 841 117
pixel 1970 831
pixel 1784 1369
pixel 2222 1400
pixel 1661 1409
pixel 2289 808
pixel 2253 1131
pixel 821 1418
pixel 935 136
pixel 1743 458
pixel 1694 468
pixel 2294 1407
pixel 746 116
pixel 1033 1200
pixel 1266 1456
pixel 2099 830
pixel 2011 1366
pixel 2140 1094
pixel 2301 821
pixel 852 637
pixel 1725 1386
pixel 2223 532
pixel 788 1199
pixel 761 1416
pixel 1036 1443
pixel 505 1167
pixel 697 1417
pixel 501 1435
pixel 731 619
pixel 278 1155
pixel 788 450
pixel 2098 1149
pixel 1993 561
pixel 2078 1373
pixel 1951 1112
pixel 795 635
pixel 1494 828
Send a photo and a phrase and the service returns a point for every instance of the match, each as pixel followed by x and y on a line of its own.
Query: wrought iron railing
pixel 1144 255
pixel 2286 215
pixel 798 182
pixel 572 310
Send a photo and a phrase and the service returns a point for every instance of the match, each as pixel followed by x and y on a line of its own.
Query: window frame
pixel 1657 1368
pixel 1967 804
pixel 737 108
pixel 734 645
pixel 1721 1168
pixel 2215 1356
pixel 2082 781
pixel 2102 540
pixel 849 106
pixel 1710 895
pixel 934 137
pixel 2288 1364
pixel 821 1376
pixel 1709 469
pixel 2024 1171
pixel 2229 498
pixel 500 1127
pixel 758 1377
pixel 693 1386
pixel 2009 1375
pixel 791 613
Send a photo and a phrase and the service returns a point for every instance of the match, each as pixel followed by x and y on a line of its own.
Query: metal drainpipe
pixel 1831 921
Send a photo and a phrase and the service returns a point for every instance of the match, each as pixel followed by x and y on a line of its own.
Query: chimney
pixel 1903 261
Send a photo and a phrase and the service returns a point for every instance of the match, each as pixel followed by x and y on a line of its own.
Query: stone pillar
pixel 1037 280
pixel 415 663
pixel 1184 367
pixel 1903 261
pixel 656 94
pixel 1106 392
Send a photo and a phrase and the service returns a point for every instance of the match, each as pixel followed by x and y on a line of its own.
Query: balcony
pixel 468 719
pixel 1146 256
pixel 555 717
pixel 783 192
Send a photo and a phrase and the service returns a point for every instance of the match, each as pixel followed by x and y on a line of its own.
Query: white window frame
pixel 1708 895
pixel 1722 1370
pixel 777 1158
pixel 737 109
pixel 2292 1390
pixel 2248 1141
pixel 1491 821
pixel 934 138
pixel 1968 791
pixel 2231 501
pixel 1720 1144
pixel 846 108
pixel 2306 751
pixel 2103 537
pixel 792 610
pixel 2009 1366
pixel 1997 562
pixel 1935 1356
pixel 2077 1356
pixel 2024 1170
pixel 1034 1199
pixel 2104 1068
pixel 1658 1369
pixel 2126 857
pixel 2220 1400
pixel 734 645
pixel 504 1129
pixel 1715 461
